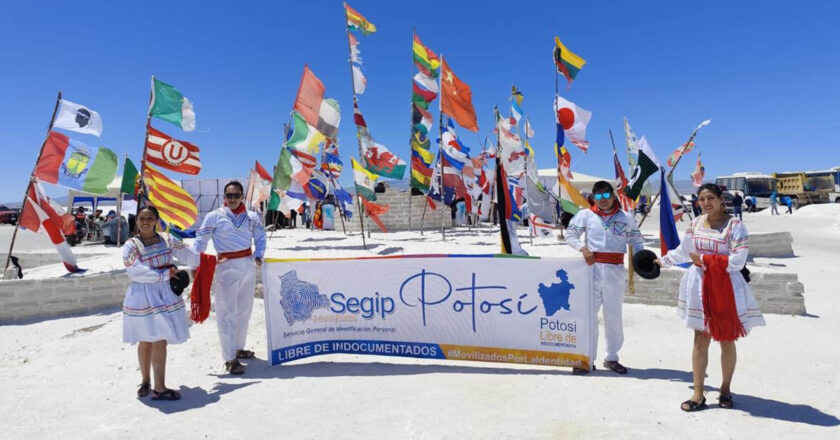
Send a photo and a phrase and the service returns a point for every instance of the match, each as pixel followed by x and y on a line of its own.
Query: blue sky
pixel 765 72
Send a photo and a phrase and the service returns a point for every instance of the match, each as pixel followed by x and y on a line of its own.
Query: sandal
pixel 234 367
pixel 144 389
pixel 725 401
pixel 690 405
pixel 615 366
pixel 244 354
pixel 166 394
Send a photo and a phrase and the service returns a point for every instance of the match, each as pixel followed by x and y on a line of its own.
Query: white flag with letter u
pixel 78 118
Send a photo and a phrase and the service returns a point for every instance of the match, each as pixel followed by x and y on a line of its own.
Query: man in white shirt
pixel 608 231
pixel 232 229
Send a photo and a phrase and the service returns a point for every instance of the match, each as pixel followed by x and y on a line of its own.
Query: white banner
pixel 462 307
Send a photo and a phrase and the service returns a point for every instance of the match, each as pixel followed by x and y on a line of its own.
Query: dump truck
pixel 802 189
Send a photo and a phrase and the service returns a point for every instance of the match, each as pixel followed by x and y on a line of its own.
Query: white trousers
pixel 608 290
pixel 235 280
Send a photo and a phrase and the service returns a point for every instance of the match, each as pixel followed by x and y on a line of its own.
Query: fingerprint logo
pixel 299 298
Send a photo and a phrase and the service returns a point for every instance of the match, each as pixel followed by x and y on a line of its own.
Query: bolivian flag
pixel 358 22
pixel 568 63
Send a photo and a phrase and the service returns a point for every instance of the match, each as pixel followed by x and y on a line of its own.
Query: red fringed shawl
pixel 200 293
pixel 720 313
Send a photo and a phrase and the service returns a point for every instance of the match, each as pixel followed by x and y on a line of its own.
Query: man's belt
pixel 609 257
pixel 236 254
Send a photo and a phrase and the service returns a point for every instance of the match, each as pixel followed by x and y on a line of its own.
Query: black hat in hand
pixel 644 265
pixel 179 281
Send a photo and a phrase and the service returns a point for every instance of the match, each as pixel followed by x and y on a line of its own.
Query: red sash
pixel 609 257
pixel 236 254
pixel 719 312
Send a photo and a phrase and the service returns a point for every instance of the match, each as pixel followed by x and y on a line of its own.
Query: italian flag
pixel 171 106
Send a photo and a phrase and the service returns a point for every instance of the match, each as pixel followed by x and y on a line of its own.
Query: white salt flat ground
pixel 74 378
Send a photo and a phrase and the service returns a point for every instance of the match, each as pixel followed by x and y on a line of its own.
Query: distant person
pixel 773 209
pixel 737 206
pixel 754 204
pixel 788 201
pixel 695 209
pixel 603 249
pixel 714 298
pixel 109 229
pixel 749 204
pixel 153 315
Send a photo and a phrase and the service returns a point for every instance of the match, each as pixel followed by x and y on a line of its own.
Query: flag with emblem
pixel 456 99
pixel 170 153
pixel 72 164
pixel 176 206
pixel 168 104
pixel 646 165
pixel 357 22
pixel 78 118
pixel 364 181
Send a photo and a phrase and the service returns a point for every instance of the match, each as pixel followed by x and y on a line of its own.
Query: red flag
pixel 309 97
pixel 262 172
pixel 170 153
pixel 39 211
pixel 456 99
pixel 374 210
pixel 626 202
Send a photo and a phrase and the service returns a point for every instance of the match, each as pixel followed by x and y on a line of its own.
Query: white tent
pixel 582 182
pixel 80 197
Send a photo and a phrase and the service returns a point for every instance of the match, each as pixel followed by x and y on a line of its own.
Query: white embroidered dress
pixel 151 311
pixel 700 238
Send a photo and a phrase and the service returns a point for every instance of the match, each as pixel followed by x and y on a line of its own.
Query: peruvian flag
pixel 39 211
pixel 170 153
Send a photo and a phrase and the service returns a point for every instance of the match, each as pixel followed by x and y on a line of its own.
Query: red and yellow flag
pixel 456 99
pixel 176 206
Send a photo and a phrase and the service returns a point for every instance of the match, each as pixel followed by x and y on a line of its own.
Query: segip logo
pixel 299 298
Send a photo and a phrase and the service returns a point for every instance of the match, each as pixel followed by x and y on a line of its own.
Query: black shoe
pixel 690 405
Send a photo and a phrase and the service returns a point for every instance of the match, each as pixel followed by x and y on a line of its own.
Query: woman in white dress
pixel 153 316
pixel 715 299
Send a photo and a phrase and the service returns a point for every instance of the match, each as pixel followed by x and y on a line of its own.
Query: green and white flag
pixel 646 165
pixel 364 181
pixel 170 105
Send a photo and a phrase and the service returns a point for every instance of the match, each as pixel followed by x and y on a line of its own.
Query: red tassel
pixel 200 293
pixel 719 311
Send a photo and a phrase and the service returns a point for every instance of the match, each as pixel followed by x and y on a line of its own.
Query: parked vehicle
pixel 8 215
pixel 755 185
pixel 834 175
pixel 804 190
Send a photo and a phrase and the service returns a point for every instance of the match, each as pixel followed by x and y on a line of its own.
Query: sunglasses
pixel 605 196
pixel 233 196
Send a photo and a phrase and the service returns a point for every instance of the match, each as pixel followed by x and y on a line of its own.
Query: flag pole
pixel 143 190
pixel 410 131
pixel 440 153
pixel 361 214
pixel 29 185
pixel 631 281
pixel 119 203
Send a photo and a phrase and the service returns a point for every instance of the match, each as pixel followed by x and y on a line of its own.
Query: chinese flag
pixel 456 99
